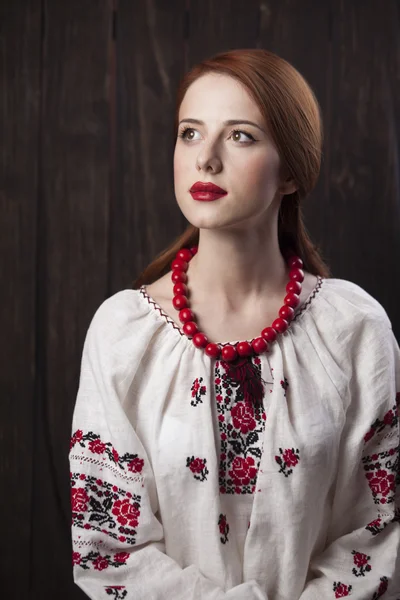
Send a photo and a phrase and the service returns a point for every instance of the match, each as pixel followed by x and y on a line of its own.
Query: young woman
pixel 236 430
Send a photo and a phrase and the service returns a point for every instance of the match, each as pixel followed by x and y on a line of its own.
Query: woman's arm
pixel 362 558
pixel 118 545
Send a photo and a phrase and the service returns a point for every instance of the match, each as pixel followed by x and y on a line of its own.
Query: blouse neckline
pixel 163 315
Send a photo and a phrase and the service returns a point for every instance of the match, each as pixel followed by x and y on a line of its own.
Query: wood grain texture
pixel 73 274
pixel 145 217
pixel 19 123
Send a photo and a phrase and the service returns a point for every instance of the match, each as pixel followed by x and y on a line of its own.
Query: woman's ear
pixel 288 186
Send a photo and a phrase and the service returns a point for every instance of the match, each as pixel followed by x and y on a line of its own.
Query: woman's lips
pixel 206 196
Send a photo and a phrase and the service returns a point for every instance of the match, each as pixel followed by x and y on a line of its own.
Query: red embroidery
pixel 290 458
pixel 104 507
pixel 376 526
pixel 198 391
pixel 285 385
pixel 98 561
pixel 341 589
pixel 361 562
pixel 198 467
pixel 115 590
pixel 223 528
pixel 380 473
pixel 241 419
pixel 96 446
pixel 383 586
pixel 390 419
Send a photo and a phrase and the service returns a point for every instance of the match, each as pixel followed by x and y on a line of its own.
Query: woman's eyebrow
pixel 225 123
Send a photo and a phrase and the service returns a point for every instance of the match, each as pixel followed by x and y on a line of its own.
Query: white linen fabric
pixel 184 488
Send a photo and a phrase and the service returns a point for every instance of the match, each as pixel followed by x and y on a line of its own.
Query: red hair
pixel 293 116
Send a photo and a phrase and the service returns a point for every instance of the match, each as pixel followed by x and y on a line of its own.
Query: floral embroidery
pixel 241 420
pixel 198 467
pixel 198 391
pixel 290 458
pixel 376 526
pixel 341 589
pixel 115 590
pixel 361 562
pixel 101 506
pixel 223 528
pixel 383 586
pixel 96 446
pixel 98 561
pixel 285 385
pixel 380 470
pixel 390 419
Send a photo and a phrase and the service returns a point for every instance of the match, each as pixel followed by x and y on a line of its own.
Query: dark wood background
pixel 87 96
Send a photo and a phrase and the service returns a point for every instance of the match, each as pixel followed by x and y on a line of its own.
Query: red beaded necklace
pixel 230 352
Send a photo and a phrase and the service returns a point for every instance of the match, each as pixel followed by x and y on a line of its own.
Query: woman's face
pixel 240 158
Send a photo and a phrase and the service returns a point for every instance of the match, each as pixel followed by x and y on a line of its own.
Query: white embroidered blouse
pixel 184 487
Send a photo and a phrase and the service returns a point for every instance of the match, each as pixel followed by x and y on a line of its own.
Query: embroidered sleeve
pixel 118 543
pixel 363 543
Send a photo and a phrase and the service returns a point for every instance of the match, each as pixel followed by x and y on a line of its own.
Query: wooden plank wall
pixel 87 96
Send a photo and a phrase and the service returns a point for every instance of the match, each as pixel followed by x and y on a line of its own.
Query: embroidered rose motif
pixel 290 458
pixel 341 590
pixel 383 586
pixel 381 483
pixel 121 557
pixel 136 465
pixel 100 563
pixel 198 467
pixel 361 562
pixel 390 419
pixel 77 436
pixel 76 558
pixel 97 446
pixel 243 470
pixel 115 455
pixel 197 391
pixel 243 417
pixel 126 513
pixel 79 499
pixel 223 528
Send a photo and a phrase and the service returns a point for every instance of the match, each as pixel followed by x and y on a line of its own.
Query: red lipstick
pixel 206 191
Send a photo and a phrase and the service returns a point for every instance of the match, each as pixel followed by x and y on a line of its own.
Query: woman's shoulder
pixel 352 301
pixel 120 315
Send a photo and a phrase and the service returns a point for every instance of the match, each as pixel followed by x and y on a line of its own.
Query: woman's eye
pixel 188 135
pixel 237 132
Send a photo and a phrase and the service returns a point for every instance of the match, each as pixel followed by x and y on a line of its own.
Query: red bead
pixel 280 325
pixel 180 289
pixel 229 353
pixel 286 312
pixel 179 265
pixel 244 349
pixel 190 328
pixel 259 345
pixel 193 250
pixel 296 275
pixel 184 254
pixel 292 300
pixel 295 262
pixel 269 334
pixel 200 340
pixel 212 350
pixel 186 315
pixel 179 302
pixel 179 276
pixel 293 286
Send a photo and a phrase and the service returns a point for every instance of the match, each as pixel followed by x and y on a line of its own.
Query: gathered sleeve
pixel 361 557
pixel 118 541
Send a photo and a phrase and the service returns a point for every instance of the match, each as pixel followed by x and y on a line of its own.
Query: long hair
pixel 293 116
